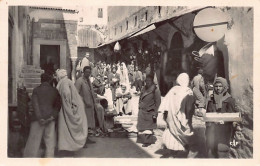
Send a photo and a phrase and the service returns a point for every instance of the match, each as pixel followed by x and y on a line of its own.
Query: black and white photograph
pixel 130 81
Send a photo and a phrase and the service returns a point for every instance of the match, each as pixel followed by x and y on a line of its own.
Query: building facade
pixel 19 47
pixel 40 35
pixel 171 29
pixel 92 15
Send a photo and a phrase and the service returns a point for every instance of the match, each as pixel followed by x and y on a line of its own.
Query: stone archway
pixel 174 57
pixel 174 63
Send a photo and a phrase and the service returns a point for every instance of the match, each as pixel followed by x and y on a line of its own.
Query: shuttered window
pixel 100 12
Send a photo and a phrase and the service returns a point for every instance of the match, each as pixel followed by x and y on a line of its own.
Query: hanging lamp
pixel 117 47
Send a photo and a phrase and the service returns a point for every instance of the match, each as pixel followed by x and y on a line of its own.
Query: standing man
pixel 131 68
pixel 199 90
pixel 138 77
pixel 157 74
pixel 148 69
pixel 113 80
pixel 85 89
pixel 46 103
pixel 96 70
pixel 85 61
pixel 219 134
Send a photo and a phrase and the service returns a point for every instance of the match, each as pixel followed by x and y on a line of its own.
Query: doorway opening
pixel 174 58
pixel 50 58
pixel 173 65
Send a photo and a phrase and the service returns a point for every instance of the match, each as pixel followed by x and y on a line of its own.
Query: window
pixel 159 10
pixel 135 20
pixel 115 31
pixel 121 28
pixel 146 16
pixel 100 12
pixel 126 25
pixel 81 19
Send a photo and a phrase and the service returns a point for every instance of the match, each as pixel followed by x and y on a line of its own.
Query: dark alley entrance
pixel 50 57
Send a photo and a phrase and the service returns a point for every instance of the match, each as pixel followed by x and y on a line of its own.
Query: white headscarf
pixel 183 80
pixel 61 73
pixel 124 75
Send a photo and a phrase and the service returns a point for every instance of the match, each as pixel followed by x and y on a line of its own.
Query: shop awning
pixel 115 40
pixel 146 29
pixel 152 26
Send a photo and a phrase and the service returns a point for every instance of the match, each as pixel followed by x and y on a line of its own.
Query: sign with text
pixel 50 26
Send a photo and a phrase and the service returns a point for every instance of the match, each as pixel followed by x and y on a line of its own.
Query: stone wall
pixel 125 11
pixel 19 49
pixel 49 29
pixel 59 31
pixel 239 42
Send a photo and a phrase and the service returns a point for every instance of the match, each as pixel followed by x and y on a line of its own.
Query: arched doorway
pixel 173 64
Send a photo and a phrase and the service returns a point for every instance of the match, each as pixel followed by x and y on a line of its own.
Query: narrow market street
pixel 130 81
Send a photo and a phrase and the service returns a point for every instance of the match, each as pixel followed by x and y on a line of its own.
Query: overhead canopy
pixel 115 40
pixel 147 29
pixel 152 26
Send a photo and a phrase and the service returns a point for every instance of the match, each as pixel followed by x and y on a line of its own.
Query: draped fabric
pixel 179 131
pixel 72 124
pixel 109 97
pixel 124 76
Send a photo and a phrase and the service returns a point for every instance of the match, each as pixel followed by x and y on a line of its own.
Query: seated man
pixel 123 102
pixel 100 112
pixel 98 85
pixel 106 112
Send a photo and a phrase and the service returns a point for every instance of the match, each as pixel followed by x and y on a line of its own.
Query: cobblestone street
pixel 108 147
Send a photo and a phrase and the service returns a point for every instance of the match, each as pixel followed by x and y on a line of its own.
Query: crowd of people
pixel 67 113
